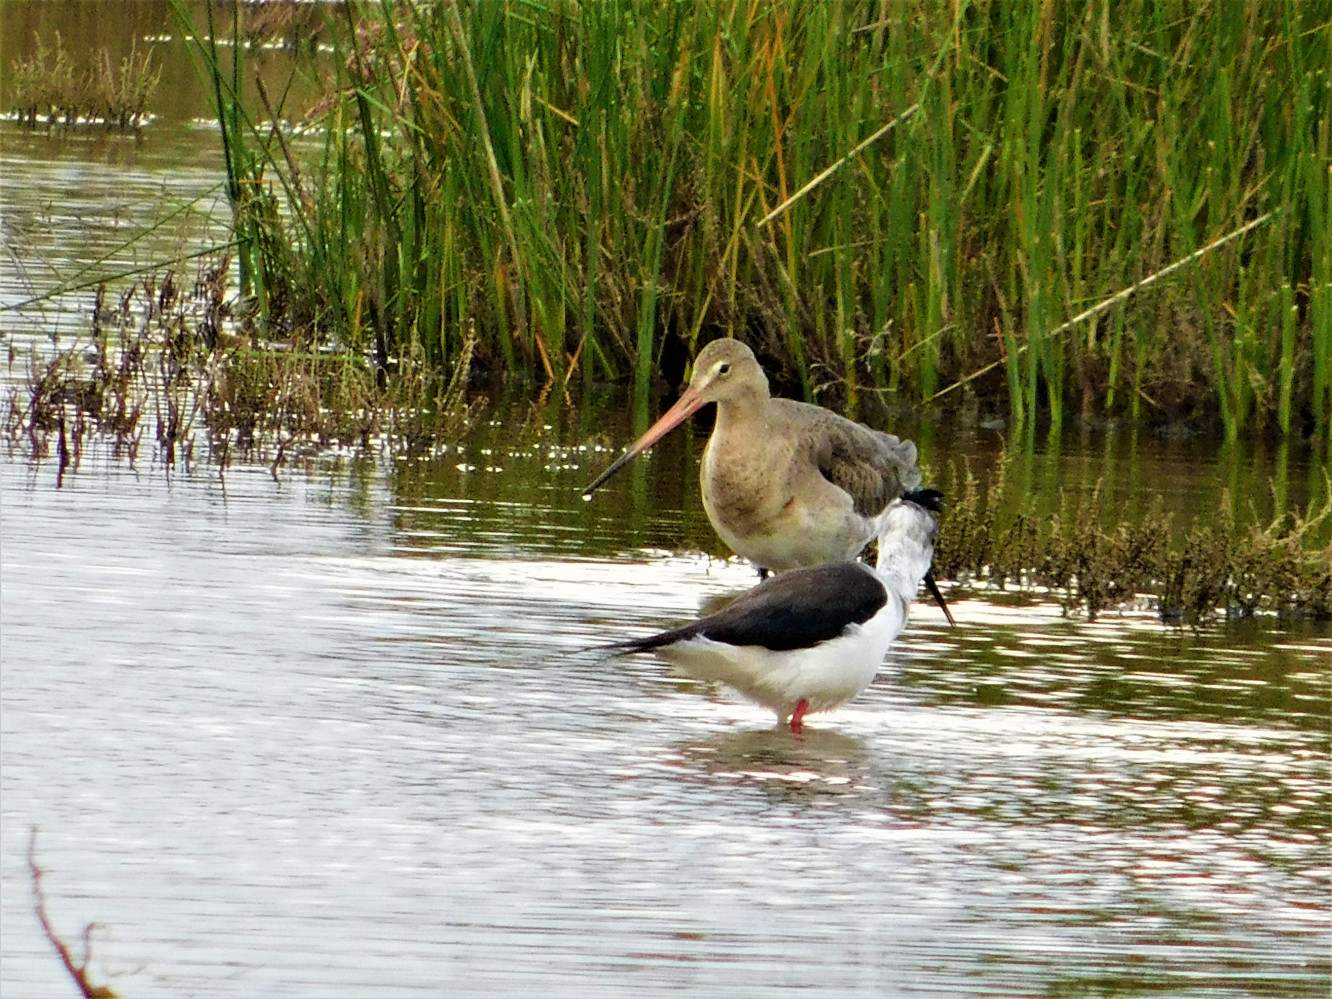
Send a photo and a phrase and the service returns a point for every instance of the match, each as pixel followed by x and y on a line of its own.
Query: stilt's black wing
pixel 794 610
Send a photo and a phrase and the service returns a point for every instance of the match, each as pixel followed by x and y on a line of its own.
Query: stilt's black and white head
pixel 906 544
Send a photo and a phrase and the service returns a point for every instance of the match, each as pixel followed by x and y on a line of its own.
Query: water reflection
pixel 786 767
pixel 80 208
pixel 1131 666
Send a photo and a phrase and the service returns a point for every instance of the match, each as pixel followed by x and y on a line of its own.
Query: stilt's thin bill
pixel 688 404
pixel 933 587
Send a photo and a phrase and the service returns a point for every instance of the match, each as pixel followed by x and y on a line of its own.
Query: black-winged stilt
pixel 811 639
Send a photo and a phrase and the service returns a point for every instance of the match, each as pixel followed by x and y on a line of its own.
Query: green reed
pixel 590 190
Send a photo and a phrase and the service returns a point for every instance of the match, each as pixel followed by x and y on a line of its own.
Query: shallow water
pixel 330 736
pixel 83 205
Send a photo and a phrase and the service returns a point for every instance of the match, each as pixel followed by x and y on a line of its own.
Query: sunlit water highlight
pixel 295 738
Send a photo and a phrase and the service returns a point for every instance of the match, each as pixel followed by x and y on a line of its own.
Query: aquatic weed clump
pixel 47 88
pixel 190 370
pixel 1267 567
pixel 101 388
pixel 1188 573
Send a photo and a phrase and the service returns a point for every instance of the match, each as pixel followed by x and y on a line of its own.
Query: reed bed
pixel 591 189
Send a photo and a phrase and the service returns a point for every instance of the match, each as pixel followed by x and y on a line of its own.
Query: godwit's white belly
pixel 800 536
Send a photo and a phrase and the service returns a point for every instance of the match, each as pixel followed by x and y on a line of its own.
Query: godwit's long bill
pixel 811 639
pixel 786 484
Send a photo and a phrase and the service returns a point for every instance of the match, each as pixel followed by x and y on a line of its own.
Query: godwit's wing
pixel 872 467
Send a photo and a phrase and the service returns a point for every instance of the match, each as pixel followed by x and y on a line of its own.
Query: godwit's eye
pixel 724 368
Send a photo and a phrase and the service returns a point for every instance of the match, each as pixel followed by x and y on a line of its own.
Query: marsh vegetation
pixel 1188 568
pixel 1045 211
pixel 51 88
pixel 169 363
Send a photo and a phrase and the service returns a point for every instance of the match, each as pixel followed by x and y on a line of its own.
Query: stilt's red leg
pixel 799 716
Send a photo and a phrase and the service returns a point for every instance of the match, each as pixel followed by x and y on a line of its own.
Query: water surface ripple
pixel 295 739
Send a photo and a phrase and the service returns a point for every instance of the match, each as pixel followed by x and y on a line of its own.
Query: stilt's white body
pixel 826 676
pixel 808 635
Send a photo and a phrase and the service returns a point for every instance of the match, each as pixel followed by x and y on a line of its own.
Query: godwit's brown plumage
pixel 786 484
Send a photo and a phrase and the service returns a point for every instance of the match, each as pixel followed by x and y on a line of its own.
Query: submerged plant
pixel 121 94
pixel 43 85
pixel 1215 563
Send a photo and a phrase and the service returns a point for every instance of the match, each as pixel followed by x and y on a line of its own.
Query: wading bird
pixel 786 484
pixel 811 639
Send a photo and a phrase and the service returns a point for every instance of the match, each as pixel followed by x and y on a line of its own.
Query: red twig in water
pixel 78 972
